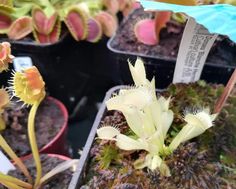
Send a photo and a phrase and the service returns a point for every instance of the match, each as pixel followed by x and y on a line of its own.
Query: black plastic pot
pixel 80 172
pixel 162 67
pixel 64 66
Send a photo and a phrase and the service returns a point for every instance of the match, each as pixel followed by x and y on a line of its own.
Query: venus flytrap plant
pixel 4 102
pixel 5 56
pixel 197 123
pixel 28 86
pixel 20 28
pixel 6 9
pixel 76 21
pixel 147 31
pixel 47 26
pixel 150 118
pixel 5 59
pixel 85 19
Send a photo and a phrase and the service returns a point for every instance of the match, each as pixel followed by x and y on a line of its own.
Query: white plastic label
pixel 194 48
pixel 5 165
pixel 21 63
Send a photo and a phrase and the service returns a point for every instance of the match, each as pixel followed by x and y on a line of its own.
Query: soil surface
pixel 205 162
pixel 49 120
pixel 222 52
pixel 60 181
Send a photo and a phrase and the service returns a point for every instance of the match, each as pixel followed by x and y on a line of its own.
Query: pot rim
pixel 85 154
pixel 64 111
pixel 36 44
pixel 62 107
pixel 158 56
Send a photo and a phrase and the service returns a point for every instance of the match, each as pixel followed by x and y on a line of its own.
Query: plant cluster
pixel 149 118
pixel 208 161
pixel 85 19
pixel 29 87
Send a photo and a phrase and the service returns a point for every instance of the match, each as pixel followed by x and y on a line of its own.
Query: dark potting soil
pixel 49 120
pixel 60 181
pixel 222 52
pixel 206 162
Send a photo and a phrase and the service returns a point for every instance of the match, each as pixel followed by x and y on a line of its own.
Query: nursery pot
pixel 79 177
pixel 51 156
pixel 162 66
pixel 56 143
pixel 63 65
pixel 62 157
pixel 79 173
pixel 104 68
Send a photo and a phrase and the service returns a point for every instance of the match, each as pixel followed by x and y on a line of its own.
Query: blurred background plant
pixel 46 19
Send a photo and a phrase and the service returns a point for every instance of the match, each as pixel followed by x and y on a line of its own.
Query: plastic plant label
pixel 5 165
pixel 21 63
pixel 194 49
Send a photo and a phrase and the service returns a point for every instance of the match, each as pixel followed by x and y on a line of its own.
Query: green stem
pixel 14 157
pixel 33 143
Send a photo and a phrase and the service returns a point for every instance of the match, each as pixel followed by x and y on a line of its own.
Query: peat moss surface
pixel 222 52
pixel 205 162
pixel 60 181
pixel 49 120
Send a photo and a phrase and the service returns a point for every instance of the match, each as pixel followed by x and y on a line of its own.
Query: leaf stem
pixel 13 180
pixel 15 158
pixel 33 143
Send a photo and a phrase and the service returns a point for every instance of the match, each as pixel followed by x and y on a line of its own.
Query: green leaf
pixel 22 11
